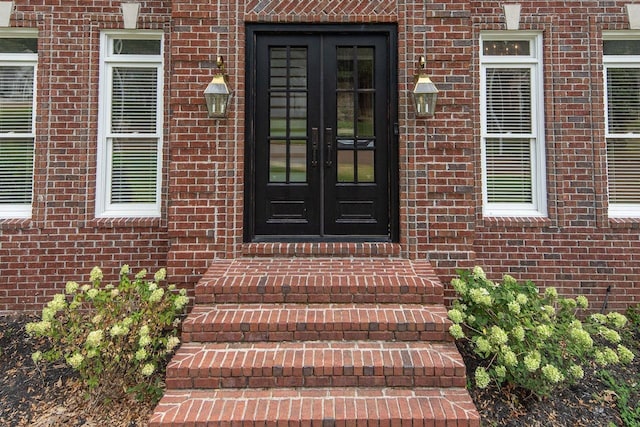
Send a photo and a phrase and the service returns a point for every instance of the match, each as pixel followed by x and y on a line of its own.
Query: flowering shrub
pixel 530 340
pixel 116 337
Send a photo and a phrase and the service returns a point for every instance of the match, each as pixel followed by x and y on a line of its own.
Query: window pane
pixel 136 47
pixel 621 47
pixel 365 114
pixel 345 68
pixel 134 100
pixel 345 111
pixel 365 166
pixel 278 161
pixel 298 68
pixel 623 164
pixel 365 68
pixel 509 175
pixel 508 98
pixel 298 161
pixel 346 171
pixel 298 114
pixel 134 166
pixel 506 48
pixel 16 171
pixel 278 68
pixel 623 100
pixel 16 99
pixel 18 45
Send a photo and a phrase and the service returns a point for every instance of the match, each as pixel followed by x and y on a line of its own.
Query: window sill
pixel 16 223
pixel 527 222
pixel 125 222
pixel 632 223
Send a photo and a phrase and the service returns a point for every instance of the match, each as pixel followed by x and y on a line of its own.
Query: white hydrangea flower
pixel 75 361
pixel 71 287
pixel 532 361
pixel 482 377
pixel 141 354
pixel 160 275
pixel 148 369
pixel 96 274
pixel 144 341
pixel 552 373
pixel 156 295
pixel 455 315
pixel 95 338
pixel 456 331
pixel 172 343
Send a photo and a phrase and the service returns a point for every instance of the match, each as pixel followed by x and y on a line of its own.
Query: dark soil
pixel 54 397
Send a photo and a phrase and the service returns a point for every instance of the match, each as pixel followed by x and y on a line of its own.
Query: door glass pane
pixel 298 68
pixel 345 111
pixel 298 114
pixel 346 171
pixel 298 158
pixel 365 166
pixel 278 161
pixel 365 68
pixel 365 114
pixel 278 114
pixel 278 68
pixel 345 67
pixel 288 114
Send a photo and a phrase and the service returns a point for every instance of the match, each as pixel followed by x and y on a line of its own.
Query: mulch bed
pixel 51 396
pixel 54 397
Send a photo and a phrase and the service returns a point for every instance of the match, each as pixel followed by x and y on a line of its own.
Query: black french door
pixel 320 135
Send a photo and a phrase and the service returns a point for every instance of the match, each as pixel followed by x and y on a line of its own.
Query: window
pixel 130 127
pixel 622 104
pixel 513 154
pixel 18 61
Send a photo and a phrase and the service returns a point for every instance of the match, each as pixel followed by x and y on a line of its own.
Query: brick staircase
pixel 317 341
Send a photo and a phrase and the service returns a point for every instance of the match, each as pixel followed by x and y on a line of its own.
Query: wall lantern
pixel 217 94
pixel 425 93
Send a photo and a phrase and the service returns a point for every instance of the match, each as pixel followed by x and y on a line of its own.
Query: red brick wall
pixel 577 248
pixel 63 240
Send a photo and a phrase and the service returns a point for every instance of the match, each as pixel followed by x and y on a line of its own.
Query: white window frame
pixel 108 61
pixel 619 210
pixel 533 62
pixel 21 210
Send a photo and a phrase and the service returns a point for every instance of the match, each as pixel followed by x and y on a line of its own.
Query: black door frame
pixel 252 32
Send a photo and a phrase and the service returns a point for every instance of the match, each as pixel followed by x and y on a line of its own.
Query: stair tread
pixel 288 322
pixel 321 280
pixel 277 314
pixel 342 363
pixel 297 406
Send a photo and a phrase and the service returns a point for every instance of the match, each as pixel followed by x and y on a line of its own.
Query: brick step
pixel 301 322
pixel 317 406
pixel 316 364
pixel 318 281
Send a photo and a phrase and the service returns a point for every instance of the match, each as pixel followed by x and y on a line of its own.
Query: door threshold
pixel 324 248
pixel 321 239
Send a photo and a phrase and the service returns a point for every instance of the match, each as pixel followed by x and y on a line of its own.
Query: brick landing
pixel 317 341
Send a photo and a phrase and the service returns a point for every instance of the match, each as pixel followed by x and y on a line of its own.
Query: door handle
pixel 328 138
pixel 314 147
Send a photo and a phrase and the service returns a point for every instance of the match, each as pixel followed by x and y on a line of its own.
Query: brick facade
pixel 577 248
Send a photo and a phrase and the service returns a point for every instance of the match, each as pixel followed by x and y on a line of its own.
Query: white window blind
pixel 18 59
pixel 622 79
pixel 512 126
pixel 130 148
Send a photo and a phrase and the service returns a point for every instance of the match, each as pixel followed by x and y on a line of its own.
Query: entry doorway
pixel 321 133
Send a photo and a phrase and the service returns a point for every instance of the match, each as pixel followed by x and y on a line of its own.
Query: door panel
pixel 356 101
pixel 320 137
